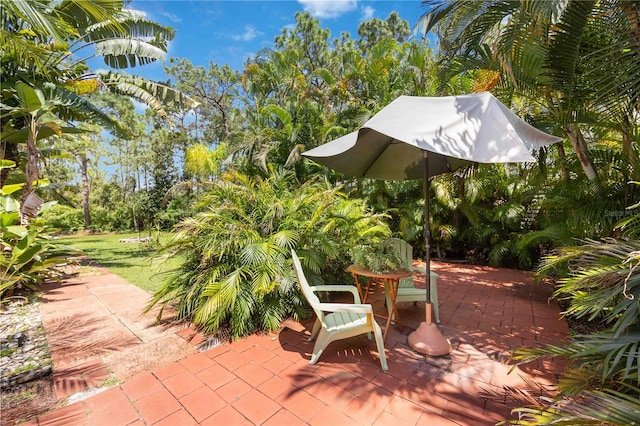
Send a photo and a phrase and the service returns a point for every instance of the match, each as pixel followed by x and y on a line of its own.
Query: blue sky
pixel 230 31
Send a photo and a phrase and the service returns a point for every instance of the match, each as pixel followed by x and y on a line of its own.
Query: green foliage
pixel 236 249
pixel 175 210
pixel 380 257
pixel 30 254
pixel 599 281
pixel 64 218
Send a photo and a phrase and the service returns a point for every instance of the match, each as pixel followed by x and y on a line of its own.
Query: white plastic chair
pixel 337 321
pixel 407 292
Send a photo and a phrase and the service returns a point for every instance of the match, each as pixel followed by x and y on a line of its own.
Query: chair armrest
pixel 346 307
pixel 339 287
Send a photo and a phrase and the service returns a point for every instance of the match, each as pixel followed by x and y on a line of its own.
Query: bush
pixel 29 254
pixel 64 218
pixel 237 270
pixel 118 218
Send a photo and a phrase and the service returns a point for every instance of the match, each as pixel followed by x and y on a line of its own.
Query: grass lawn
pixel 128 260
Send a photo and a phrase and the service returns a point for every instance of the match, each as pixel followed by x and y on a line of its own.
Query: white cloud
pixel 172 16
pixel 367 13
pixel 137 13
pixel 328 8
pixel 249 34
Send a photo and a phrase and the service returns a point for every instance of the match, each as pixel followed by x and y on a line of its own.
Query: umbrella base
pixel 428 340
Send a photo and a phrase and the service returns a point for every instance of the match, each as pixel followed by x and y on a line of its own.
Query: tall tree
pixel 42 74
pixel 579 59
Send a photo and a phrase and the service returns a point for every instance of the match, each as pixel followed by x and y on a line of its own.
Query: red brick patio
pixel 266 380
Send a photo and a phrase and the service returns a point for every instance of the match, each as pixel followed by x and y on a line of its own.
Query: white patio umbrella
pixel 419 137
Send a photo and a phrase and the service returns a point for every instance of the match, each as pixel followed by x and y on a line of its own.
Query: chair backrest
pixel 304 286
pixel 404 251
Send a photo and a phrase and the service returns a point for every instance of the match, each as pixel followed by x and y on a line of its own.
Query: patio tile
pixel 300 375
pixel 290 353
pixel 267 341
pixel 336 374
pixel 301 403
pixel 360 387
pixel 426 399
pixel 182 384
pixel 327 392
pixel 277 364
pixel 388 382
pixel 141 385
pixel 258 355
pixel 276 386
pixel 403 410
pixel 157 405
pixel 216 351
pixel 254 374
pixel 388 419
pixel 503 376
pixel 331 416
pixel 202 403
pixel 180 417
pixel 227 416
pixel 197 339
pixel 197 362
pixel 366 409
pixel 464 414
pixel 232 360
pixel 215 376
pixel 186 333
pixel 71 415
pixel 243 344
pixel 284 417
pixel 111 407
pixel 233 390
pixel 429 418
pixel 267 379
pixel 255 406
pixel 169 370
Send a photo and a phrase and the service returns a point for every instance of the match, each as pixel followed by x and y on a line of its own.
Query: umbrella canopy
pixel 454 130
pixel 418 137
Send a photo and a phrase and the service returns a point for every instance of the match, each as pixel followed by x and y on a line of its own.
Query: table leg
pixel 392 310
pixel 357 278
pixel 363 295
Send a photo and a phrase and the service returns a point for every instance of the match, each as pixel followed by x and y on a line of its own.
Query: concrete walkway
pixel 97 336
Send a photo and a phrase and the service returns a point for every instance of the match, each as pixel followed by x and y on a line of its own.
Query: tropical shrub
pixel 237 271
pixel 64 218
pixel 29 254
pixel 117 218
pixel 175 210
pixel 600 283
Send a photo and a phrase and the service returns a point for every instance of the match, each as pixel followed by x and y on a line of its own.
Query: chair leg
pixel 324 338
pixel 316 328
pixel 434 301
pixel 380 344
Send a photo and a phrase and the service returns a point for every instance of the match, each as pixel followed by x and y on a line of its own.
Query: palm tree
pixel 42 75
pixel 237 270
pixel 578 59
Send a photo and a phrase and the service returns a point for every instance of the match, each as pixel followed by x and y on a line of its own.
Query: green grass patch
pixel 130 261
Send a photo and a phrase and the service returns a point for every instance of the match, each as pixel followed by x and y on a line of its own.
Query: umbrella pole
pixel 427 338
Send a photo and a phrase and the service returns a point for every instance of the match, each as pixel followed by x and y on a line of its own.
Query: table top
pixel 390 275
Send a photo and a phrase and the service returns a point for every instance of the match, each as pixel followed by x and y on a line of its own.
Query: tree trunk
pixel 30 204
pixel 580 147
pixel 85 191
pixel 563 162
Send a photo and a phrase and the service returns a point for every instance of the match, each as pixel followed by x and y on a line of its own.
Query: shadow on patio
pixel 266 379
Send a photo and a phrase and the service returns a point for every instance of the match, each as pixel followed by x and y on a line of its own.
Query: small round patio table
pixel 391 281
